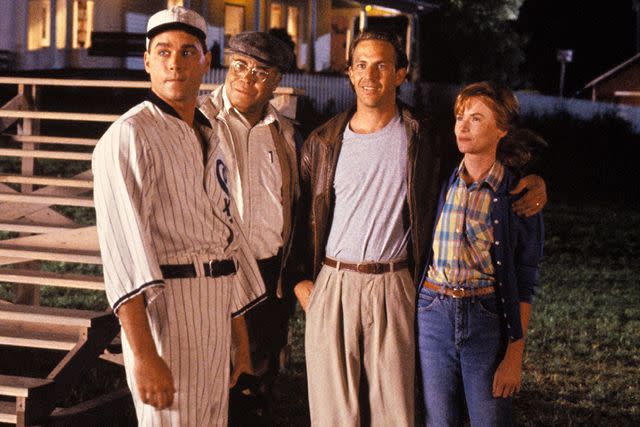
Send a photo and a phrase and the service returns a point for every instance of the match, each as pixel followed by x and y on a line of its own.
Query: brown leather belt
pixel 367 267
pixel 459 292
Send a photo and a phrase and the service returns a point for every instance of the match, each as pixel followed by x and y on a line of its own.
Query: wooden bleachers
pixel 38 232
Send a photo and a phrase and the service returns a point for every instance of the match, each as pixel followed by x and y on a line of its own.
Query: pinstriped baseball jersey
pixel 158 202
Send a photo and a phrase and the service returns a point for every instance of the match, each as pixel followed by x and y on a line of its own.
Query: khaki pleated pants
pixel 360 349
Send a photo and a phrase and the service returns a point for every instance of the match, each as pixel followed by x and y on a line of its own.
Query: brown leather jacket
pixel 318 160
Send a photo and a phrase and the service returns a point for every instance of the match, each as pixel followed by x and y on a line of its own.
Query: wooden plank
pixel 85 202
pixel 34 335
pixel 44 154
pixel 76 82
pixel 77 245
pixel 42 139
pixel 44 278
pixel 46 180
pixel 126 84
pixel 49 254
pixel 9 211
pixel 8 412
pixel 628 93
pixel 20 386
pixel 55 115
pixel 38 228
pixel 94 411
pixel 83 238
pixel 50 315
pixel 115 358
pixel 18 102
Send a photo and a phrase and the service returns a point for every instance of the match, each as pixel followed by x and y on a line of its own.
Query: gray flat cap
pixel 263 47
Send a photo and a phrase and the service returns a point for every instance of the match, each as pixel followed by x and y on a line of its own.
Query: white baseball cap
pixel 177 18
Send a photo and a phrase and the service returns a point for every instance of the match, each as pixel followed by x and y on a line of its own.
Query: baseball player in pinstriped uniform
pixel 177 266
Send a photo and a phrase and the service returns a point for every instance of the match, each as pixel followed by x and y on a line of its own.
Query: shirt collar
pixel 198 118
pixel 269 116
pixel 493 178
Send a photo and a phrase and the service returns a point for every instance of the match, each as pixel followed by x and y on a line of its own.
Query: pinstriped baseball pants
pixel 360 349
pixel 191 325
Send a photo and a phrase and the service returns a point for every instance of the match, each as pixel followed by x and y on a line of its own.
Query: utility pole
pixel 563 56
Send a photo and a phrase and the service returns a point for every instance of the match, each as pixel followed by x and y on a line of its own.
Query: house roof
pixel 407 6
pixel 612 71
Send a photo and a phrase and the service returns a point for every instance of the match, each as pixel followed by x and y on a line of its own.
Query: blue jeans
pixel 460 345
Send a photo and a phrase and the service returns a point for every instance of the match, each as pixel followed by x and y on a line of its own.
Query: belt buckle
pixel 375 268
pixel 457 292
pixel 211 262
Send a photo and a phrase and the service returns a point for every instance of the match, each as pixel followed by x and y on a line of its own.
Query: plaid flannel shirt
pixel 464 233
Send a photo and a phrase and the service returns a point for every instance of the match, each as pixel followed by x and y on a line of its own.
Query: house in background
pixel 620 84
pixel 58 34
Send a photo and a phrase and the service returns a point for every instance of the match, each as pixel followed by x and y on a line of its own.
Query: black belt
pixel 212 268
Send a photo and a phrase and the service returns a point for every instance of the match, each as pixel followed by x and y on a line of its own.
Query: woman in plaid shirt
pixel 477 289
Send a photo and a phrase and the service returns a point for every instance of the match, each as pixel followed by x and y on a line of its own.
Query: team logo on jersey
pixel 222 173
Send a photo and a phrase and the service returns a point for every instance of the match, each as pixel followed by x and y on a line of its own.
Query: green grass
pixel 582 364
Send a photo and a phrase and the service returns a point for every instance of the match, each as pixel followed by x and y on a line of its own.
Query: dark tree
pixel 467 41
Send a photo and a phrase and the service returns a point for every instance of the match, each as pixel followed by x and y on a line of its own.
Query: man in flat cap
pixel 260 145
pixel 177 266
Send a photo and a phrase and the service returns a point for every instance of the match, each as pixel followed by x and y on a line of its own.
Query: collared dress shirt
pixel 257 165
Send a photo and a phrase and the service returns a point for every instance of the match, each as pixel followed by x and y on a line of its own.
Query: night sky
pixel 602 34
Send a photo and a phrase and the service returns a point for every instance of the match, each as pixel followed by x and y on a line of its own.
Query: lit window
pixel 293 22
pixel 172 3
pixel 39 33
pixel 82 23
pixel 275 16
pixel 61 24
pixel 233 24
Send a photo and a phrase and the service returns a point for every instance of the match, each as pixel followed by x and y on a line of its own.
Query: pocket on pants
pixel 317 285
pixel 488 306
pixel 426 299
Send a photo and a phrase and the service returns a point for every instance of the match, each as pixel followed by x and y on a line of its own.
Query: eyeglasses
pixel 241 69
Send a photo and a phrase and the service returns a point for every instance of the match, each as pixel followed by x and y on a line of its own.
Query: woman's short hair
pixel 401 56
pixel 500 99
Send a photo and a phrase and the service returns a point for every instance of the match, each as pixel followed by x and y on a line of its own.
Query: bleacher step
pixel 46 180
pixel 35 227
pixel 50 315
pixel 44 278
pixel 8 412
pixel 45 154
pixel 37 336
pixel 50 254
pixel 85 202
pixel 21 386
pixel 55 115
pixel 43 139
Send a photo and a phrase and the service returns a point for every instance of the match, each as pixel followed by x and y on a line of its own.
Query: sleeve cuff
pixel 148 288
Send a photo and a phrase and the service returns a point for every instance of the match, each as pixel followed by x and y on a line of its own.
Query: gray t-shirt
pixel 371 192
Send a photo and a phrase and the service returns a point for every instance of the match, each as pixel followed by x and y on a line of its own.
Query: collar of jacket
pixel 198 116
pixel 332 130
